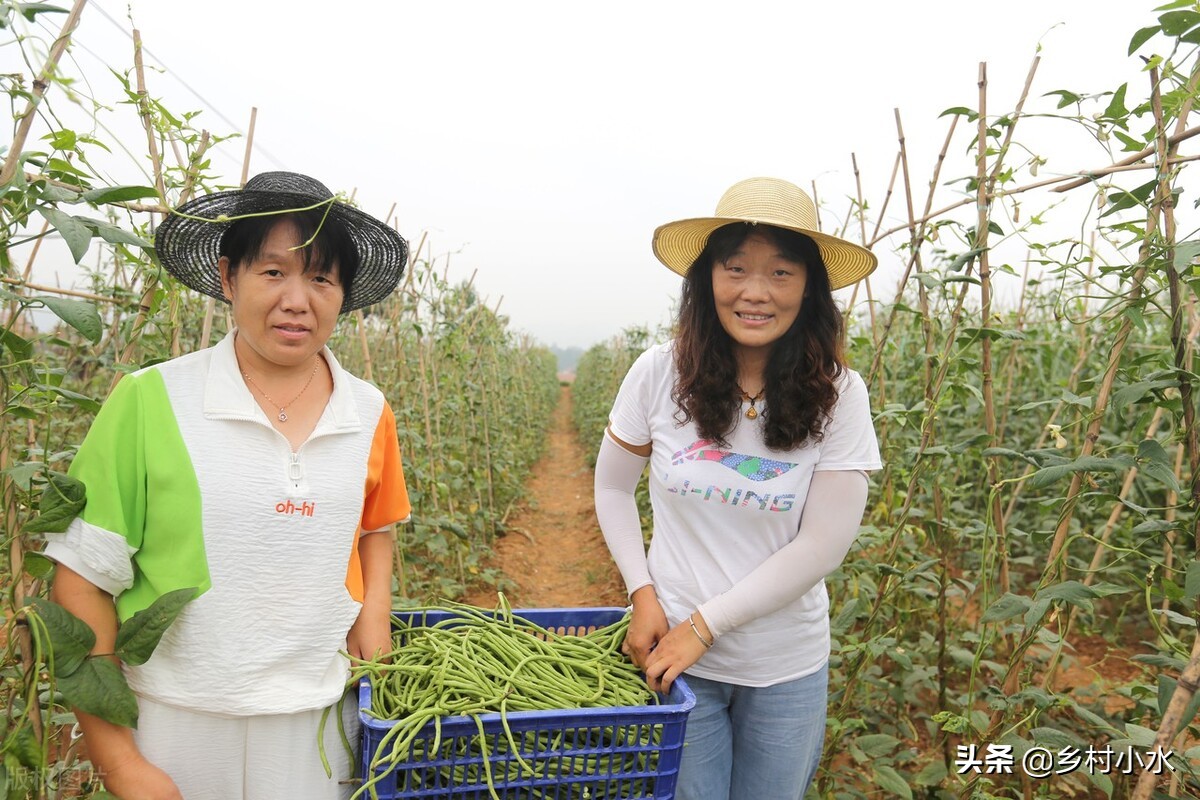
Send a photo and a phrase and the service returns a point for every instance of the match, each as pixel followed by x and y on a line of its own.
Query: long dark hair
pixel 802 368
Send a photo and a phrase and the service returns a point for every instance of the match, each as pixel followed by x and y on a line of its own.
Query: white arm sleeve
pixel 617 474
pixel 828 526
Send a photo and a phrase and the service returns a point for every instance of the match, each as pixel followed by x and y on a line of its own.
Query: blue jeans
pixel 753 743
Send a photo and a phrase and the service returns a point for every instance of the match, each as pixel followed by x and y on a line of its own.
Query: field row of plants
pixel 472 398
pixel 1026 574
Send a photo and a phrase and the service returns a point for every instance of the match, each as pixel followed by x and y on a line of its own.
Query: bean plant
pixel 1026 579
pixel 472 397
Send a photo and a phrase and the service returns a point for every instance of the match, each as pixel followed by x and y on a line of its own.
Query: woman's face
pixel 284 315
pixel 758 293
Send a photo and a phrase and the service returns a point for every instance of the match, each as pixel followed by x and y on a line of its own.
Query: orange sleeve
pixel 385 497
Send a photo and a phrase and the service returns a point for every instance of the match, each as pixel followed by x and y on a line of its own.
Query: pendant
pixel 282 416
pixel 751 413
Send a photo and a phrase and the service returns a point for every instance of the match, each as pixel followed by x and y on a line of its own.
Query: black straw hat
pixel 188 241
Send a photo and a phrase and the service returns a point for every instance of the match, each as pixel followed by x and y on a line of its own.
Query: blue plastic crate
pixel 586 753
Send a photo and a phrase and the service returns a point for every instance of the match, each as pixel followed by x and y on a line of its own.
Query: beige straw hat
pixel 767 201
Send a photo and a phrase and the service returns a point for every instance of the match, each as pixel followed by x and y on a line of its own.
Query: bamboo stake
pixel 861 213
pixel 1055 562
pixel 1189 681
pixel 887 585
pixel 1091 175
pixel 887 327
pixel 151 286
pixel 210 305
pixel 1058 180
pixel 984 192
pixel 15 305
pixel 40 85
pixel 37 287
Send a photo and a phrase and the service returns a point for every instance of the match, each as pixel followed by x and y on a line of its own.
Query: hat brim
pixel 678 244
pixel 189 246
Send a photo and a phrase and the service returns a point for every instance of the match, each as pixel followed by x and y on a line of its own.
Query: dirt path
pixel 554 551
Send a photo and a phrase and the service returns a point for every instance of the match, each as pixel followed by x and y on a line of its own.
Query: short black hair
pixel 329 247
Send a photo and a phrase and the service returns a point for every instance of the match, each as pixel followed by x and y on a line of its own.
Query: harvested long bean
pixel 476 663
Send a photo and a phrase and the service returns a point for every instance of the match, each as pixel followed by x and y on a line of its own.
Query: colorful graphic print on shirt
pixel 753 468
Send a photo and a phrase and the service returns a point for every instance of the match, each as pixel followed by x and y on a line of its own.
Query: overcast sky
pixel 541 143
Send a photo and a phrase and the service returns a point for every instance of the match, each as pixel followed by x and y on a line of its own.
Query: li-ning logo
pixel 305 509
pixel 752 467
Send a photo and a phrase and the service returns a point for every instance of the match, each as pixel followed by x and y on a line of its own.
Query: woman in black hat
pixel 260 474
pixel 759 438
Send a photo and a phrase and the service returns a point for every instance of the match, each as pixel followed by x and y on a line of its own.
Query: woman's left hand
pixel 371 635
pixel 675 652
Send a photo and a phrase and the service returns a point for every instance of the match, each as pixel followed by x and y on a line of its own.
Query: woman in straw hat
pixel 260 474
pixel 759 439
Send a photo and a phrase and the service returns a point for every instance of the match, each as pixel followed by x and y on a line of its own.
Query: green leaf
pixel 1140 735
pixel 1049 475
pixel 1152 450
pixel 1191 585
pixel 62 500
pixel 845 618
pixel 1116 107
pixel 140 634
pixel 25 746
pixel 959 110
pixel 79 314
pixel 1134 392
pixel 1096 720
pixel 876 745
pixel 1073 592
pixel 1065 98
pixel 1140 38
pixel 21 348
pixel 71 639
pixel 1008 606
pixel 75 233
pixel 1131 145
pixel 1163 474
pixel 932 775
pixel 1177 23
pixel 119 194
pixel 1007 453
pixel 114 235
pixel 62 139
pixel 1120 200
pixel 1153 526
pixel 1185 254
pixel 962 259
pixel 37 565
pixel 888 778
pixel 1054 738
pixel 1037 611
pixel 80 400
pixel 31 10
pixel 99 688
pixel 1166 690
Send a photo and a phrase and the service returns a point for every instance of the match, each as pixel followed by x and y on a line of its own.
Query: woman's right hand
pixel 647 625
pixel 138 779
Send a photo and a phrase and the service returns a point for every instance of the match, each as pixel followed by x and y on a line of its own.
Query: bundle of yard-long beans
pixel 476 662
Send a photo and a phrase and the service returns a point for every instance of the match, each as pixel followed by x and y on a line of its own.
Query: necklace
pixel 283 417
pixel 751 412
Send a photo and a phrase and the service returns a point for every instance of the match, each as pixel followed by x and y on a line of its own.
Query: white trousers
pixel 267 757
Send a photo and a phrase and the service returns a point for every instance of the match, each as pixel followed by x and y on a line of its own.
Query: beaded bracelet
pixel 707 644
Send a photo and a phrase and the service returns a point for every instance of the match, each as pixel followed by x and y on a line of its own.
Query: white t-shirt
pixel 718 514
